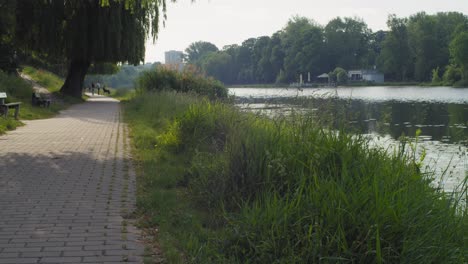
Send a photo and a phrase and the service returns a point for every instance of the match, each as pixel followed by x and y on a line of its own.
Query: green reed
pixel 230 187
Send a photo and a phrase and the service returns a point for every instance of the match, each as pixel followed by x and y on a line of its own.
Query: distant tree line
pixel 124 77
pixel 420 48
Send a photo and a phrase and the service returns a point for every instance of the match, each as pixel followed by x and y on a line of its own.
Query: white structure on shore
pixel 366 75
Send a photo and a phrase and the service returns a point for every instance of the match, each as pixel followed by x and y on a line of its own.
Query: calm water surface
pixel 384 114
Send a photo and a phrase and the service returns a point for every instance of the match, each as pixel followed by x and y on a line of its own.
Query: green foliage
pixel 303 43
pixel 452 74
pixel 15 87
pixel 436 76
pixel 339 75
pixel 124 78
pixel 86 32
pixel 52 82
pixel 164 78
pixel 93 31
pixel 103 68
pixel 408 52
pixel 197 50
pixel 459 52
pixel 19 90
pixel 231 187
pixel 347 43
pixel 8 61
pixel 395 57
pixel 7 124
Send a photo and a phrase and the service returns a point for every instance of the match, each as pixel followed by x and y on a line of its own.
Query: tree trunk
pixel 75 78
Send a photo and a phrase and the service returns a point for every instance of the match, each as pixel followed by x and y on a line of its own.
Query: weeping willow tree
pixel 84 32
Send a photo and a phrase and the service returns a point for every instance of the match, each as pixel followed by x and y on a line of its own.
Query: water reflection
pixel 441 116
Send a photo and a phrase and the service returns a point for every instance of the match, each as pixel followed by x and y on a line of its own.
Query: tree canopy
pixel 86 32
pixel 197 50
pixel 410 50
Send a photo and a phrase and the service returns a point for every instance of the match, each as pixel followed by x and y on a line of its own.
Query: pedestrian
pixel 92 88
pixel 98 88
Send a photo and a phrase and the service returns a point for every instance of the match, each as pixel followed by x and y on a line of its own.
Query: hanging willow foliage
pixel 88 30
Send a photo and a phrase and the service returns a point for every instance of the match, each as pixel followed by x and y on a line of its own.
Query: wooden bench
pixel 40 100
pixel 4 107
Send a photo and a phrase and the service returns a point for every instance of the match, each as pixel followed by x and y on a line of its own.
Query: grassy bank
pixel 221 186
pixel 19 90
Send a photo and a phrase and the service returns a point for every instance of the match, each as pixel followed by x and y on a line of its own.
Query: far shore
pixel 318 85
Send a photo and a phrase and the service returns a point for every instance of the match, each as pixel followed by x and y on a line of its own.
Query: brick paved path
pixel 67 189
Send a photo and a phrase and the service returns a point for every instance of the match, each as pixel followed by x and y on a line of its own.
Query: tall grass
pixel 47 79
pixel 189 80
pixel 16 88
pixel 231 187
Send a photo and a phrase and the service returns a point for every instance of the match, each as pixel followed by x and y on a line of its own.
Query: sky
pixel 225 22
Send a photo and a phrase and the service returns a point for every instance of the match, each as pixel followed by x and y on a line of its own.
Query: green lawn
pixel 19 90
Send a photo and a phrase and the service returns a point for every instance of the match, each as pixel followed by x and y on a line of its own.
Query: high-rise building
pixel 173 57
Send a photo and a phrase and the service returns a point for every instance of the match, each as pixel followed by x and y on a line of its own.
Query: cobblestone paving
pixel 66 189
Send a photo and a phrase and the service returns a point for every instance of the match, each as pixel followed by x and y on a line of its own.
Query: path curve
pixel 67 188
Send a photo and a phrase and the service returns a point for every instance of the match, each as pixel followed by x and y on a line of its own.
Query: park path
pixel 67 189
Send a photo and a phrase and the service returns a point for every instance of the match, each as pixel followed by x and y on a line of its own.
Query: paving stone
pixel 62 181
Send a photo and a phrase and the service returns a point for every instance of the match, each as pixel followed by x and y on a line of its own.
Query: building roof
pixel 323 75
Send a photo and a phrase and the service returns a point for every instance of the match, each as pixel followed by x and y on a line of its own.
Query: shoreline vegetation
pixel 217 185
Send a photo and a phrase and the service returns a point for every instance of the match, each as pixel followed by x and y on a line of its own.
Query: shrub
pixel 15 87
pixel 189 80
pixel 452 75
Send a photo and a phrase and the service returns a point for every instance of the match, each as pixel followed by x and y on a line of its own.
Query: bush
pixel 452 75
pixel 436 80
pixel 47 79
pixel 164 78
pixel 15 87
pixel 339 75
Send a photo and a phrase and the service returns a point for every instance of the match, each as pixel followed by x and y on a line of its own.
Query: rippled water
pixel 384 114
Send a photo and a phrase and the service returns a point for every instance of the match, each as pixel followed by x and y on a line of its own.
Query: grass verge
pixel 222 186
pixel 19 90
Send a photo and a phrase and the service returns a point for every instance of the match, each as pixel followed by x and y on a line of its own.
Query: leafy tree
pixel 395 59
pixel 216 64
pixel 302 42
pixel 7 27
pixel 347 42
pixel 262 66
pixel 375 48
pixel 452 75
pixel 338 75
pixel 86 32
pixel 459 52
pixel 197 50
pixel 423 40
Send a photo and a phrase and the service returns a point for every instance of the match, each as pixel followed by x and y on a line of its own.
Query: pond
pixel 384 114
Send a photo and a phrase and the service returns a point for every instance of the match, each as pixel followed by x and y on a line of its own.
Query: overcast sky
pixel 225 22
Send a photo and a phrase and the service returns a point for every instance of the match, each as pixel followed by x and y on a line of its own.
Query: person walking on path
pixel 92 88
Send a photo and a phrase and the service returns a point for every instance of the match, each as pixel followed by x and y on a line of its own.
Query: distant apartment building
pixel 174 58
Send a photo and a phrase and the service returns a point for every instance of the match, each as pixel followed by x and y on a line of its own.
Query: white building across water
pixel 366 75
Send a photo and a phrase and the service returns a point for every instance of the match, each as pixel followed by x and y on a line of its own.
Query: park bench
pixel 40 99
pixel 4 107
